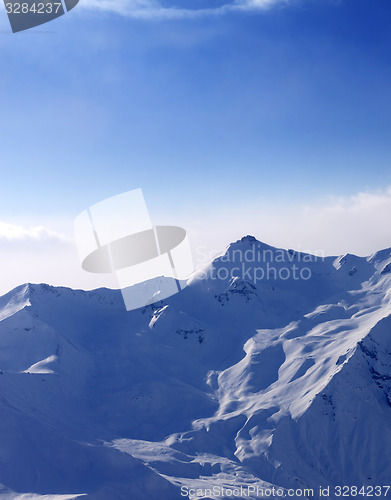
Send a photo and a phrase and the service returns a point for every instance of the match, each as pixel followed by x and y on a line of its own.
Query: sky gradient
pixel 218 117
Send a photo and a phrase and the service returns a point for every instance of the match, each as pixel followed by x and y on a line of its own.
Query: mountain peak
pixel 249 238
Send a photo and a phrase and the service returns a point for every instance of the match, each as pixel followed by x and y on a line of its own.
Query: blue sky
pixel 228 110
pixel 291 101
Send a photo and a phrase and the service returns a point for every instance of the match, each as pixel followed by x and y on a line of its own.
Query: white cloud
pixel 37 254
pixel 13 232
pixel 358 224
pixel 153 9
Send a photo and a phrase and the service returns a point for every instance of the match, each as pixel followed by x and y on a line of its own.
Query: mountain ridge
pixel 223 385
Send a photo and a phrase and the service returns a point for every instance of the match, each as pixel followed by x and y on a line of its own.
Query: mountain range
pixel 272 369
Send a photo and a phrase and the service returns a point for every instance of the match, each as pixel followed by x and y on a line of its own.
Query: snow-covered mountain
pixel 271 369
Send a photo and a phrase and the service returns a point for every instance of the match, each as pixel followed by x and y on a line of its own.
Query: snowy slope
pixel 273 368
